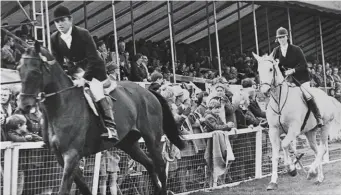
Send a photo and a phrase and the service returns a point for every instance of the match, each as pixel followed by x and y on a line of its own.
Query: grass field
pixel 298 185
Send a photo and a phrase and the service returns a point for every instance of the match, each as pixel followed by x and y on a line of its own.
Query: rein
pixel 42 96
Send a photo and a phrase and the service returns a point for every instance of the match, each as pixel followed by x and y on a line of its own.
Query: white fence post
pixel 15 168
pixel 258 166
pixel 96 172
pixel 7 169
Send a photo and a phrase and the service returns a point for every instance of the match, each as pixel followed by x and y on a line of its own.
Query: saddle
pixel 109 86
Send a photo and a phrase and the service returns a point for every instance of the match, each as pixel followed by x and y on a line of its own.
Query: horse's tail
pixel 169 125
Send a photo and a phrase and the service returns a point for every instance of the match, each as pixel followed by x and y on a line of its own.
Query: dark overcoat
pixel 82 53
pixel 294 59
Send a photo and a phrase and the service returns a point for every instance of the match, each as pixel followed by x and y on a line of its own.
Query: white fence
pixel 29 169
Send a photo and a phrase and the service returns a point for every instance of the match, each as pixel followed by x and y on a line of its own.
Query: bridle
pixel 273 85
pixel 41 96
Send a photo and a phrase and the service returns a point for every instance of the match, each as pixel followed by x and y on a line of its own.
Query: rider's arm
pixel 302 62
pixel 95 66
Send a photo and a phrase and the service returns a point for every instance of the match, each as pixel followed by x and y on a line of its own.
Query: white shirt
pixel 67 38
pixel 284 49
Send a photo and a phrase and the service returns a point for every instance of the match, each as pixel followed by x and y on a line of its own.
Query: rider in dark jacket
pixel 74 48
pixel 292 62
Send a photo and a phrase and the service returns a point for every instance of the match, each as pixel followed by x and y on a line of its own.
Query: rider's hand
pixel 289 72
pixel 79 82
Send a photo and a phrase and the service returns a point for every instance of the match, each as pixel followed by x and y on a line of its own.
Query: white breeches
pixel 97 89
pixel 305 90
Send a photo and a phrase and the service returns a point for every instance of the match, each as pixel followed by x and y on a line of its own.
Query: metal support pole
pixel 115 36
pixel 217 36
pixel 289 23
pixel 172 18
pixel 240 29
pixel 255 26
pixel 132 26
pixel 209 33
pixel 267 29
pixel 337 45
pixel 48 33
pixel 42 23
pixel 23 9
pixel 171 38
pixel 85 15
pixel 322 52
pixel 315 33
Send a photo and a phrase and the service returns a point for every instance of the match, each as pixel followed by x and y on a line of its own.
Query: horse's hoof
pixel 317 183
pixel 293 173
pixel 311 175
pixel 272 186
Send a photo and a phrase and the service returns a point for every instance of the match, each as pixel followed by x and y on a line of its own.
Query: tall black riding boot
pixel 316 112
pixel 108 117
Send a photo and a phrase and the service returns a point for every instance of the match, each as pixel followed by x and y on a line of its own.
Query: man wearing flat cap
pixel 74 48
pixel 292 62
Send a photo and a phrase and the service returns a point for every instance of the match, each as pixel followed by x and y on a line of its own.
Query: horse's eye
pixel 270 69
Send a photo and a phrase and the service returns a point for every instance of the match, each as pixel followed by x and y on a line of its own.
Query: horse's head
pixel 34 73
pixel 269 73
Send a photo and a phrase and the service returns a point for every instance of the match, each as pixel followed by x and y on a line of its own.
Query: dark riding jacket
pixel 294 59
pixel 82 53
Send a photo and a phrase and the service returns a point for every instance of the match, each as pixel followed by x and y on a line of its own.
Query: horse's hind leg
pixel 140 156
pixel 322 150
pixel 311 136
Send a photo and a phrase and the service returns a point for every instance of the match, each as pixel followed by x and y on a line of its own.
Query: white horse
pixel 286 112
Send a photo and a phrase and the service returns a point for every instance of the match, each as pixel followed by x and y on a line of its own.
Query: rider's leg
pixel 97 91
pixel 311 103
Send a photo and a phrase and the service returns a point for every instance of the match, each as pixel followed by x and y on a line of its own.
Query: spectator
pixel 157 81
pixel 329 78
pixel 103 52
pixel 244 116
pixel 233 75
pixel 6 108
pixel 108 172
pixel 8 58
pixel 17 129
pixel 253 106
pixel 336 77
pixel 202 106
pixel 113 72
pixel 212 119
pixel 138 70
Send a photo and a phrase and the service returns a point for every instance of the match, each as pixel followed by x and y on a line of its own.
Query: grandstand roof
pixel 190 24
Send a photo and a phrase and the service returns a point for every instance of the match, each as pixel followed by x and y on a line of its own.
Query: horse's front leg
pixel 293 132
pixel 275 142
pixel 71 159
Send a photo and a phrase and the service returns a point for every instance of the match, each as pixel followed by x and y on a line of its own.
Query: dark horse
pixel 73 130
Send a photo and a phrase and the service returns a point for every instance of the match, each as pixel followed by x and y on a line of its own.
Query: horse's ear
pixel 272 55
pixel 37 46
pixel 256 56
